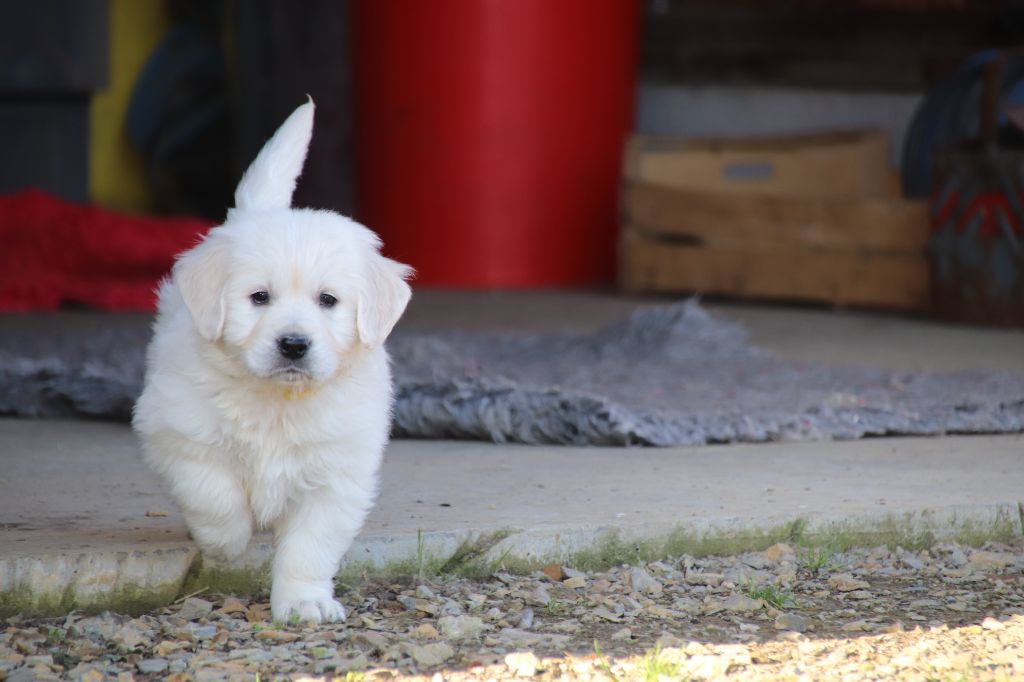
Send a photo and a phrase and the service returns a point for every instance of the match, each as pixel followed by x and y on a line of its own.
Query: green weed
pixel 771 594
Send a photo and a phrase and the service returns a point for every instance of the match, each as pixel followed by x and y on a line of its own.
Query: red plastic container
pixel 489 135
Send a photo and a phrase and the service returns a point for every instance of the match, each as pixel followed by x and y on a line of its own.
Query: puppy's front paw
pixel 325 610
pixel 309 601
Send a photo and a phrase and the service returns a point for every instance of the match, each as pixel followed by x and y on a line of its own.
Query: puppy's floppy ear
pixel 382 299
pixel 270 181
pixel 201 275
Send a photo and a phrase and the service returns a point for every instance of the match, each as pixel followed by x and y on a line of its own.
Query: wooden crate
pixel 843 164
pixel 812 218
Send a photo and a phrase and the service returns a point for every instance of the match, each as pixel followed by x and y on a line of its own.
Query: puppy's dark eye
pixel 327 301
pixel 259 297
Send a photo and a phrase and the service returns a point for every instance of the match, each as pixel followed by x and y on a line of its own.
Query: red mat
pixel 53 252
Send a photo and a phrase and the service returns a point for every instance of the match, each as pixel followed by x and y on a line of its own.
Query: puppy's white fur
pixel 246 436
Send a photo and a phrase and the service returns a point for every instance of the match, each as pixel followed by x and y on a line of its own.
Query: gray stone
pixel 540 596
pixel 911 560
pixel 791 621
pixel 203 631
pixel 859 625
pixel 22 674
pixel 413 604
pixel 517 637
pixel 604 614
pixel 631 606
pixel 924 603
pixel 81 671
pixel 623 635
pixel 371 639
pixel 354 663
pixel 194 609
pixel 132 636
pixel 844 582
pixel 955 555
pixel 704 579
pixel 641 581
pixel 450 607
pixel 738 603
pixel 461 627
pixel 151 666
pixel 430 655
pixel 755 561
pixel 989 561
pixel 661 567
pixel 741 602
pixel 103 626
pixel 252 654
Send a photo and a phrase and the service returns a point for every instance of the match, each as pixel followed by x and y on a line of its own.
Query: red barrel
pixel 489 135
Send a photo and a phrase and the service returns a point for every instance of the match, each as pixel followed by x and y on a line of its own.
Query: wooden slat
pixel 838 277
pixel 838 165
pixel 765 223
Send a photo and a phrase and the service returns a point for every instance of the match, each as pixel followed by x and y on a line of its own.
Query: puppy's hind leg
pixel 214 505
pixel 310 542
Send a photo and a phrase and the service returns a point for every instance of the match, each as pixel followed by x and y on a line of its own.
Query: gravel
pixel 945 613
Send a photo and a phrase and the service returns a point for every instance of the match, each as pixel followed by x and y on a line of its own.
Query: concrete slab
pixel 83 522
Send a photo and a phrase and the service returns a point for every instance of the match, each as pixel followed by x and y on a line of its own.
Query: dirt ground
pixel 790 612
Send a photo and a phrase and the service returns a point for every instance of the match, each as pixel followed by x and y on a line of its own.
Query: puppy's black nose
pixel 293 347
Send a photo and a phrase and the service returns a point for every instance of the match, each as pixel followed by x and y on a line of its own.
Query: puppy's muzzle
pixel 293 347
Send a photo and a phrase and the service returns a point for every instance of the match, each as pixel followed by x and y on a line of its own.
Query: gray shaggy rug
pixel 670 375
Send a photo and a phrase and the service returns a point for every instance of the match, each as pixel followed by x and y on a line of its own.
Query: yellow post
pixel 116 171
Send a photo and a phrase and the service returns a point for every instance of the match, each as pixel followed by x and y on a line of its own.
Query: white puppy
pixel 268 394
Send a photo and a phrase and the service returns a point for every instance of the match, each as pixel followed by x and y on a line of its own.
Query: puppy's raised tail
pixel 270 180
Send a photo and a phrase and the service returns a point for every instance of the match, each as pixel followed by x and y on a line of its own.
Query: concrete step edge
pixel 136 580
